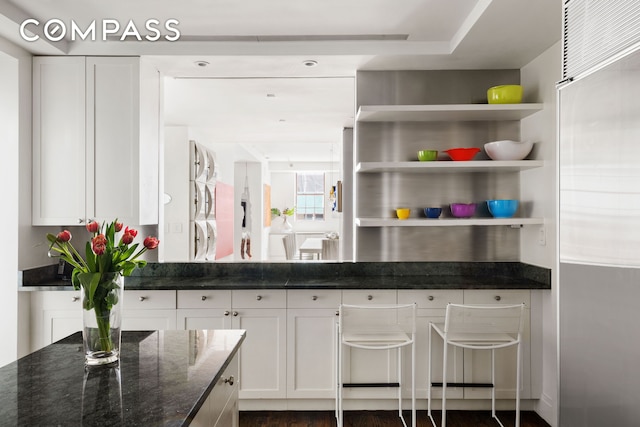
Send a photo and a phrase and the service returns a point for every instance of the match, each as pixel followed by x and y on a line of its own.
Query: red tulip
pixel 126 238
pixel 131 231
pixel 151 242
pixel 99 239
pixel 99 248
pixel 93 227
pixel 117 226
pixel 64 236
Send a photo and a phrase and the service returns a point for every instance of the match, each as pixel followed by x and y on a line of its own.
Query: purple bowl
pixel 463 210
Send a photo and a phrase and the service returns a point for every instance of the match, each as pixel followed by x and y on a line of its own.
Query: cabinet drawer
pixel 149 300
pixel 205 298
pixel 57 300
pixel 497 296
pixel 314 298
pixel 431 298
pixel 373 296
pixel 259 298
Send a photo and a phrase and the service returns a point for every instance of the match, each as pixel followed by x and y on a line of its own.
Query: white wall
pixel 25 246
pixel 539 78
pixel 176 213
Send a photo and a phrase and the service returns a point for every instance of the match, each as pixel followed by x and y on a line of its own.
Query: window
pixel 310 196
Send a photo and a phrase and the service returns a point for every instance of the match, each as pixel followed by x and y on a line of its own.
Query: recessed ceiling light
pixel 271 95
pixel 310 63
pixel 201 63
pixel 282 120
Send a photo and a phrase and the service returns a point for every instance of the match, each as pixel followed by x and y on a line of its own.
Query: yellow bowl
pixel 403 213
pixel 505 94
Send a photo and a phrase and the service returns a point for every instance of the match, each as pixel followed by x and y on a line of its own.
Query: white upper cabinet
pixel 95 140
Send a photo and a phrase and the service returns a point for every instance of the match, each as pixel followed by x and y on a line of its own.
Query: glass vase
pixel 286 225
pixel 102 316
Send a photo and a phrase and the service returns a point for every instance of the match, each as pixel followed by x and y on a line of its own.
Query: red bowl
pixel 462 153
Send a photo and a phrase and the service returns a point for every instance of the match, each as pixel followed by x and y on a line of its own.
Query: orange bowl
pixel 461 154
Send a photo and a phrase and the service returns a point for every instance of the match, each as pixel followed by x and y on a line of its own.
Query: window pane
pixel 310 196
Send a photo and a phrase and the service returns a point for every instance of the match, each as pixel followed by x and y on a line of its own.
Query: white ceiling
pixel 257 47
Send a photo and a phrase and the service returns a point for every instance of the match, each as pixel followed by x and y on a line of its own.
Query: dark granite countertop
pixel 365 275
pixel 164 378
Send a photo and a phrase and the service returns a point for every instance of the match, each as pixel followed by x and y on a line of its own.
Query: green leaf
pixel 91 257
pixel 89 282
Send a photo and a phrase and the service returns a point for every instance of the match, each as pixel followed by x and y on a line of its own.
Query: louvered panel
pixel 596 30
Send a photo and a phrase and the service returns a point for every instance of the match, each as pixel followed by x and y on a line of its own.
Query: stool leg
pixel 518 368
pixel 493 382
pixel 413 382
pixel 444 382
pixel 429 376
pixel 399 361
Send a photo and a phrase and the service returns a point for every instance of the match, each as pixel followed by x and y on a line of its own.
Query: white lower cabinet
pixel 311 343
pixel 221 407
pixel 369 366
pixel 204 309
pixel 54 315
pixel 431 307
pixel 477 364
pixel 263 361
pixel 149 310
pixel 289 350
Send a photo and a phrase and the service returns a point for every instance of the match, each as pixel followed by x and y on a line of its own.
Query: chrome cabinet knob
pixel 337 313
pixel 74 299
pixel 226 312
pixel 315 297
pixel 230 380
pixel 258 297
pixel 80 220
pixel 498 298
pixel 204 298
pixel 369 297
pixel 430 297
pixel 235 314
pixel 142 298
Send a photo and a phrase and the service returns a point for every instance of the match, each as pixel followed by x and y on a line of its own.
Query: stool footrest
pixel 479 385
pixel 359 385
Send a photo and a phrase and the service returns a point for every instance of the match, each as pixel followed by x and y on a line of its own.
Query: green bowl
pixel 427 155
pixel 505 94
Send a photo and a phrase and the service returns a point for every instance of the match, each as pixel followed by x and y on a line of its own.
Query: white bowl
pixel 508 150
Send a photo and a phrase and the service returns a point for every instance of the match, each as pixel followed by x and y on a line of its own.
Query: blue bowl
pixel 432 212
pixel 502 208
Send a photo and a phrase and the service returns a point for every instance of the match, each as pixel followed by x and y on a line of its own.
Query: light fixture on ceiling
pixel 201 63
pixel 271 95
pixel 310 63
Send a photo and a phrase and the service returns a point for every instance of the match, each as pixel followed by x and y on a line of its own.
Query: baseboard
pixel 377 404
pixel 547 409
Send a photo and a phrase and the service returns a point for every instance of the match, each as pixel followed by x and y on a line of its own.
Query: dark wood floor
pixel 383 419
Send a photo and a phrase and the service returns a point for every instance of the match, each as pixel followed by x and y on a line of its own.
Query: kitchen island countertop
pixel 162 379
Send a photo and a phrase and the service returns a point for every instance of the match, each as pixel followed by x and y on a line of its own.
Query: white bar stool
pixel 478 327
pixel 377 327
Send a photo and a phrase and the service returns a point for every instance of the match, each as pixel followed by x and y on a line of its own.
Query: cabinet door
pixel 311 343
pixel 263 358
pixel 112 138
pixel 58 140
pixel 54 315
pixel 477 363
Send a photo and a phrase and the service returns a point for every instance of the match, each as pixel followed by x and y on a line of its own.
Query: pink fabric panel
pixel 224 219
